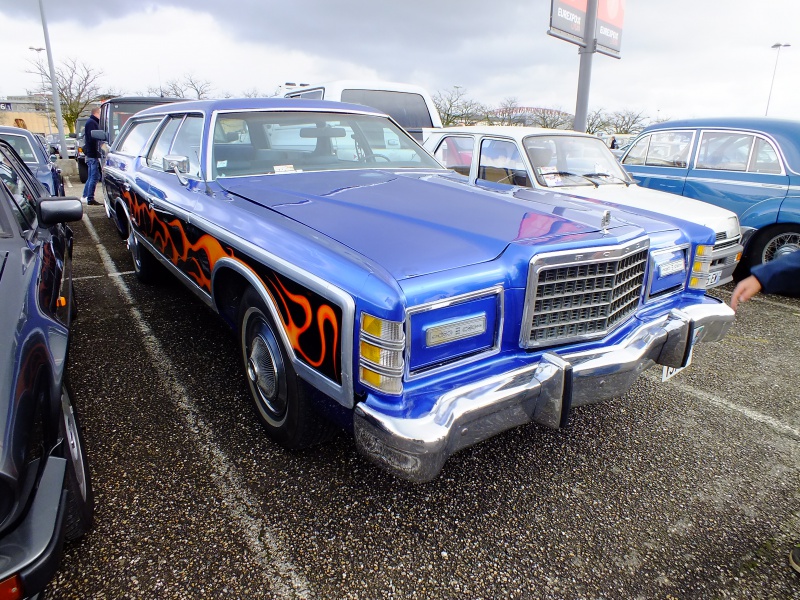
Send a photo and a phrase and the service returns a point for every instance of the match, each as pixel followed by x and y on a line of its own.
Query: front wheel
pixel 772 243
pixel 80 496
pixel 281 400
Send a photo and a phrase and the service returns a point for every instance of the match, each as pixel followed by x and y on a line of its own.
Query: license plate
pixel 714 277
pixel 670 372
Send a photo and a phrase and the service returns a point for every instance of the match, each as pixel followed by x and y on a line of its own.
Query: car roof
pixel 512 131
pixel 234 104
pixel 17 130
pixel 784 131
pixel 163 99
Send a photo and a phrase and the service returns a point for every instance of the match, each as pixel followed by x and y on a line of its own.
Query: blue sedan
pixel 36 156
pixel 748 165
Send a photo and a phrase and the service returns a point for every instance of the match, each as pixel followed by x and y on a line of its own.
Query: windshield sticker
pixel 287 169
pixel 221 164
pixel 550 176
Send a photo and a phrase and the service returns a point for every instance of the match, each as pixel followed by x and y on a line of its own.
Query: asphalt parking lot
pixel 682 489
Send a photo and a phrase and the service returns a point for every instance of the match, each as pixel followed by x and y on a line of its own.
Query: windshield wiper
pixel 625 181
pixel 568 174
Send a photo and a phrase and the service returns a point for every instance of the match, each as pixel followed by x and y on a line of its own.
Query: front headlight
pixel 381 345
pixel 698 279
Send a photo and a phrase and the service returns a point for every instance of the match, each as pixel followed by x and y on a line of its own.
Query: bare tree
pixel 256 93
pixel 78 87
pixel 188 87
pixel 627 121
pixel 455 108
pixel 509 113
pixel 550 118
pixel 597 121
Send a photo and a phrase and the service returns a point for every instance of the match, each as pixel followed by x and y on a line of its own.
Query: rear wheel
pixel 772 243
pixel 145 264
pixel 83 171
pixel 281 400
pixel 80 497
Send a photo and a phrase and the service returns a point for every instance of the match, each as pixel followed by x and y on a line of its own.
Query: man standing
pixel 91 150
pixel 781 276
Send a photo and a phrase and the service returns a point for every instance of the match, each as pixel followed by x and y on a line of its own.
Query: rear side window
pixel 22 146
pixel 408 109
pixel 133 139
pixel 765 158
pixel 455 152
pixel 725 151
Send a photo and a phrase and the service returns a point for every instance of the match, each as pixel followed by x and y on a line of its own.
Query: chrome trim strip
pixel 754 184
pixel 496 290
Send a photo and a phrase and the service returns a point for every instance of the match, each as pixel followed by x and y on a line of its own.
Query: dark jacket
pixel 91 146
pixel 780 276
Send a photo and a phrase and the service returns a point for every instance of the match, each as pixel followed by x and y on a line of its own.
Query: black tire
pixel 83 171
pixel 771 243
pixel 145 265
pixel 282 402
pixel 77 481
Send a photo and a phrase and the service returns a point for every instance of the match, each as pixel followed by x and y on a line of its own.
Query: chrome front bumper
pixel 542 392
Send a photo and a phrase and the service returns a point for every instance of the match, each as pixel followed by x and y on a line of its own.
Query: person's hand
pixel 744 290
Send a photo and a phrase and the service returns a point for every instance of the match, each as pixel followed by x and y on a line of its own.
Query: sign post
pixel 594 26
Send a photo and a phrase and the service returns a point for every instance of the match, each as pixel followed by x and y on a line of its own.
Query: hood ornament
pixel 605 221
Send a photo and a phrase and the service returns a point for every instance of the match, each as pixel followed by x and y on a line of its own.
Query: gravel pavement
pixel 682 489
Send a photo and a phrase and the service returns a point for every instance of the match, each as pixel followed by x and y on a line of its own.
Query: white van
pixel 410 105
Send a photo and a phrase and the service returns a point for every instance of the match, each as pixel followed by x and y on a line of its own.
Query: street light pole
pixel 56 103
pixel 42 91
pixel 775 70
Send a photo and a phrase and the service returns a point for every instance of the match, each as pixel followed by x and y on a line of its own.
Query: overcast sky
pixel 680 58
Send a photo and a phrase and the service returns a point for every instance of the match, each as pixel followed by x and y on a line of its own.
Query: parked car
pixel 113 115
pixel 371 287
pixel 410 105
pixel 748 165
pixel 45 485
pixel 575 163
pixel 36 156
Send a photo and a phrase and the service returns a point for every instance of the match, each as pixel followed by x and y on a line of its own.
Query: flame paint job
pixel 312 324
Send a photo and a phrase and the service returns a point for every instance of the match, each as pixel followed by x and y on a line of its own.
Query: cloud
pixel 680 58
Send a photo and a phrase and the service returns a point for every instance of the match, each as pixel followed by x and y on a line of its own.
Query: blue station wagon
pixel 748 165
pixel 372 288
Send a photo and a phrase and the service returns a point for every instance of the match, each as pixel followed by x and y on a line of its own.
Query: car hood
pixel 416 223
pixel 717 218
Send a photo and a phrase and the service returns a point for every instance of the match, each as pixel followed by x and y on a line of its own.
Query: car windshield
pixel 120 112
pixel 22 145
pixel 565 160
pixel 264 142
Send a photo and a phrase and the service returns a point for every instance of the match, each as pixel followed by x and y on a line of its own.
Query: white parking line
pixel 779 427
pixel 115 274
pixel 289 583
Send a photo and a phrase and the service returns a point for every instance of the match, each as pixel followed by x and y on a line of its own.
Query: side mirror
pixel 99 134
pixel 175 163
pixel 51 211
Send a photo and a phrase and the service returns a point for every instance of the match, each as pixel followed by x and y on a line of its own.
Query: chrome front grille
pixel 572 297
